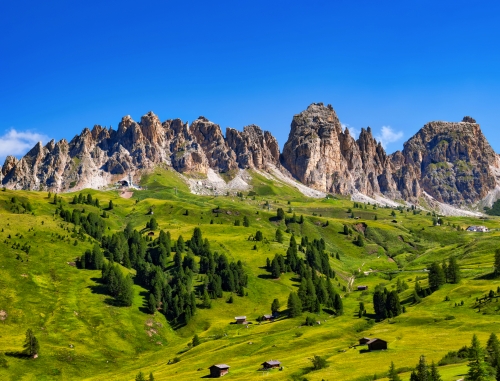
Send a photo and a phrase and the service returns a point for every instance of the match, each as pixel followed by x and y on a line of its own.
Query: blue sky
pixel 68 65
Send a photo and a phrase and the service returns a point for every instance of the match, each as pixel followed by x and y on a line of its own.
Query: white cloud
pixel 17 143
pixel 388 135
pixel 353 131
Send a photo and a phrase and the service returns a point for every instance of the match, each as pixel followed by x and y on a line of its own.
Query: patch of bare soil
pixel 3 315
pixel 126 194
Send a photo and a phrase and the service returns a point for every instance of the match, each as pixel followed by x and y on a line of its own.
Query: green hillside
pixel 84 334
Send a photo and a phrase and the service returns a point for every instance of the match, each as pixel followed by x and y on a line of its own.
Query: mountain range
pixel 450 162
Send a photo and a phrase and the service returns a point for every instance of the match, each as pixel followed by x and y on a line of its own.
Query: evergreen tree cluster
pixel 386 303
pixel 424 372
pixel 92 223
pixel 118 285
pixel 82 199
pixel 92 260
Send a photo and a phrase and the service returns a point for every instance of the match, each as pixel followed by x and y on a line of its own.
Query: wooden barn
pixel 271 364
pixel 219 370
pixel 267 318
pixel 362 288
pixel 377 345
pixel 364 340
pixel 241 319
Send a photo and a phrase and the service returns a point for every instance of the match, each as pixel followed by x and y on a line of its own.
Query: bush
pixel 319 362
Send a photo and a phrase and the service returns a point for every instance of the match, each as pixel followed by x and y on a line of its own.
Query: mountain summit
pixel 451 162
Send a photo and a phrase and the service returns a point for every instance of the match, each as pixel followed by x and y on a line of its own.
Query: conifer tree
pixel 294 305
pixel 453 271
pixel 393 374
pixel 151 304
pixel 275 306
pixel 196 341
pixel 140 377
pixel 422 371
pixel 497 262
pixel 434 373
pixel 275 269
pixel 279 236
pixel 477 367
pixel 31 345
pixel 493 350
pixel 151 377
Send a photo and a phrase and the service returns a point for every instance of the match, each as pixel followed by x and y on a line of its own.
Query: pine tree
pixel 497 377
pixel 151 377
pixel 477 367
pixel 294 305
pixel 31 346
pixel 275 269
pixel 434 373
pixel 126 291
pixel 493 350
pixel 151 304
pixel 275 306
pixel 338 305
pixel 140 377
pixel 280 214
pixel 111 206
pixel 453 271
pixel 422 371
pixel 497 262
pixel 436 276
pixel 196 341
pixel 279 236
pixel 393 374
pixel 246 222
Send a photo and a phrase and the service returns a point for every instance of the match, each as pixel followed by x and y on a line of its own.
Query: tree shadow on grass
pixel 488 276
pixel 144 308
pixel 266 276
pixel 19 355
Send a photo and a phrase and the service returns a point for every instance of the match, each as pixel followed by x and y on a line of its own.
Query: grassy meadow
pixel 83 336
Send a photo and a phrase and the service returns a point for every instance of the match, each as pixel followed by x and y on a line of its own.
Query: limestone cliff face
pixel 252 147
pixel 321 155
pixel 453 162
pixel 99 156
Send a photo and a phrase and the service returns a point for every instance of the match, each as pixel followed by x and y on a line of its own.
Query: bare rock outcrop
pixel 452 162
pixel 253 147
pixel 321 155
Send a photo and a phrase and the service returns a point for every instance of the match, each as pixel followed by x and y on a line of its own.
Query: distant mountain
pixel 451 162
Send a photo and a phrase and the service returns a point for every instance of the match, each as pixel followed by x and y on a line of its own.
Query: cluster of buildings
pixel 478 228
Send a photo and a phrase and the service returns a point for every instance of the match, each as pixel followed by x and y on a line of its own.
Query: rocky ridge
pixel 97 157
pixel 451 162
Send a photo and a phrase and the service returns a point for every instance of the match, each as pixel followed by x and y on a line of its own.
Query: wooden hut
pixel 241 319
pixel 377 344
pixel 219 370
pixel 267 317
pixel 362 288
pixel 364 340
pixel 271 364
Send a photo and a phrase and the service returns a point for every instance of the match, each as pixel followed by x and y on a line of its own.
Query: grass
pixel 83 336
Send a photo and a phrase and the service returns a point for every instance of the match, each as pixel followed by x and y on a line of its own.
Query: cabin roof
pixel 272 362
pixel 220 366
pixel 375 340
pixel 240 318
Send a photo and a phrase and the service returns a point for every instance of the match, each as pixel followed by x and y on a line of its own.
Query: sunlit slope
pixel 83 336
